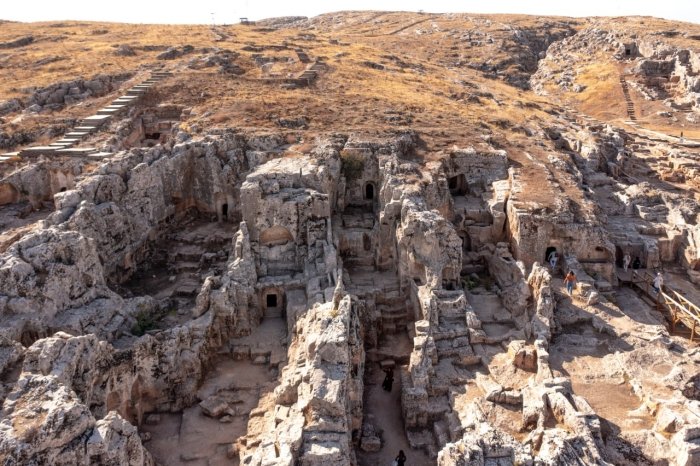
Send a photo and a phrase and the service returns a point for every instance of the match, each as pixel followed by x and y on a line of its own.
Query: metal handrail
pixel 681 308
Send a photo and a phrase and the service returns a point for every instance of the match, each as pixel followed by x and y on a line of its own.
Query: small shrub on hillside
pixel 144 322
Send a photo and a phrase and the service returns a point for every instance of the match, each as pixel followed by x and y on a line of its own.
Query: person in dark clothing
pixel 400 459
pixel 637 264
pixel 388 380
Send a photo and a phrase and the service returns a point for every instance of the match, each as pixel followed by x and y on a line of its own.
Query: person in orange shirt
pixel 570 282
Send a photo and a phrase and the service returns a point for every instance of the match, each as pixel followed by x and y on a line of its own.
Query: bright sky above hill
pixel 228 11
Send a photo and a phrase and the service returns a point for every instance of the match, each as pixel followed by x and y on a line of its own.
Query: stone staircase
pixel 190 257
pixel 445 342
pixel 307 77
pixel 628 100
pixel 391 304
pixel 453 335
pixel 9 158
pixel 88 126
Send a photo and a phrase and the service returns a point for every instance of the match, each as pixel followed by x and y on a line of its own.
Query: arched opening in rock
pixel 152 136
pixel 224 212
pixel 550 250
pixel 418 273
pixel 62 190
pixel 31 333
pixel 369 191
pixel 113 402
pixel 458 185
pixel 275 236
pixel 134 411
pixel 466 243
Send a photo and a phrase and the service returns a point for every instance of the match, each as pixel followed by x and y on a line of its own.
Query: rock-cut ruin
pixel 214 252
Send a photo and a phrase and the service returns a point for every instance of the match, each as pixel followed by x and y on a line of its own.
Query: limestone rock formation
pixel 339 237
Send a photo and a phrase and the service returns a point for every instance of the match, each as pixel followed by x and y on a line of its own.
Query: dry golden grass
pixel 429 83
pixel 603 97
pixel 352 96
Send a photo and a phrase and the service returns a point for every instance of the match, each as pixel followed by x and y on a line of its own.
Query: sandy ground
pixel 194 439
pixel 385 410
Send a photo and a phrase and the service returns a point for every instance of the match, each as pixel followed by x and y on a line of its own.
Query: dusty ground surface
pixel 484 141
pixel 192 437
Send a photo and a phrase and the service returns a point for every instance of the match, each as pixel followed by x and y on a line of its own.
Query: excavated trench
pixel 244 371
pixel 26 195
pixel 259 345
pixel 176 264
pixel 173 266
pixel 386 429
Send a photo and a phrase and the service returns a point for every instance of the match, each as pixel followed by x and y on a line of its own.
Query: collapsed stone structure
pixel 229 295
pixel 308 230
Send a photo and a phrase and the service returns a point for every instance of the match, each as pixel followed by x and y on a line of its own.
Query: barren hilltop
pixel 320 241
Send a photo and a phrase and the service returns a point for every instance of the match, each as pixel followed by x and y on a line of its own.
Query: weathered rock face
pixel 540 284
pixel 483 447
pixel 691 253
pixel 46 419
pixel 479 313
pixel 55 279
pixel 510 276
pixel 294 217
pixel 430 250
pixel 123 216
pixel 235 289
pixel 39 182
pixel 48 272
pixel 311 416
pixel 67 93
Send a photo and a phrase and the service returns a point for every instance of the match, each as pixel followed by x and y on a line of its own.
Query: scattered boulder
pixel 370 440
pixel 125 51
pixel 20 42
pixel 215 406
pixel 174 52
pixel 10 106
pixel 294 123
pixel 523 356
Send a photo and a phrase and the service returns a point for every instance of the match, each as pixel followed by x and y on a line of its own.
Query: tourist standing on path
pixel 570 282
pixel 681 137
pixel 658 283
pixel 388 380
pixel 553 260
pixel 626 262
pixel 400 459
pixel 637 264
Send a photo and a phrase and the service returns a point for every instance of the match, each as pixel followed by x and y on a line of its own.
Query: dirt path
pixel 385 411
